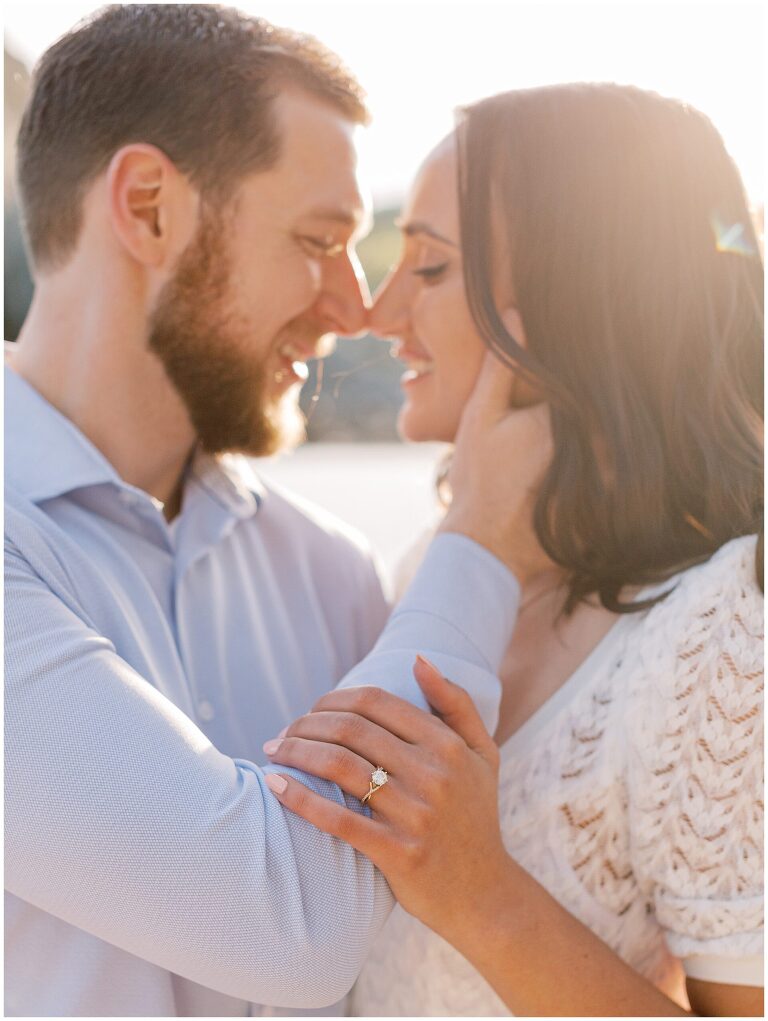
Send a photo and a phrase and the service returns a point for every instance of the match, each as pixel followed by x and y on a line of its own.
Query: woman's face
pixel 422 306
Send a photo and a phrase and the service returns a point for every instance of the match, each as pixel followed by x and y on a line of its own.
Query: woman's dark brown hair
pixel 631 257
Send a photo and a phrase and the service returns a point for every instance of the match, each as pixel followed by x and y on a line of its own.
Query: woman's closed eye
pixel 431 274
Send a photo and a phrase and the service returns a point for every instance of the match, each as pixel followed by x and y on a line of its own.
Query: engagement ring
pixel 378 778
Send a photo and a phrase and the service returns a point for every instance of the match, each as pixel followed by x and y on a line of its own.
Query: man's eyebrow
pixel 360 222
pixel 345 216
pixel 415 227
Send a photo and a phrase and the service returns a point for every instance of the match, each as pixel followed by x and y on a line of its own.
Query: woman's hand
pixel 434 833
pixel 434 830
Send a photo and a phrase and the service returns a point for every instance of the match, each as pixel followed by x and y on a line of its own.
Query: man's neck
pixel 91 362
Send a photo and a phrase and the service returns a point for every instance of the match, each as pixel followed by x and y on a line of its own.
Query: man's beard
pixel 204 350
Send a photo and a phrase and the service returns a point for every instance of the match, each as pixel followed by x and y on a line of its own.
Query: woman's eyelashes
pixel 431 274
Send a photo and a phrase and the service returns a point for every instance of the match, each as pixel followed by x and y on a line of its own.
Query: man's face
pixel 265 284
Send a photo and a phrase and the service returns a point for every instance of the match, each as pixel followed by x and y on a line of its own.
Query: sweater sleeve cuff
pixel 732 971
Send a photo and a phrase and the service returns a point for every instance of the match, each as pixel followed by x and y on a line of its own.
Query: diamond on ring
pixel 378 778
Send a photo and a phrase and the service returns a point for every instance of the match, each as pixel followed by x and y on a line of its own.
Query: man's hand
pixel 500 459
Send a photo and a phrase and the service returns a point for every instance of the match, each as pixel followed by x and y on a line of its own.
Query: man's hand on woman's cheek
pixel 501 456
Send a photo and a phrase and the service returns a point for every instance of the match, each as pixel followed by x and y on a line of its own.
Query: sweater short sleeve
pixel 696 807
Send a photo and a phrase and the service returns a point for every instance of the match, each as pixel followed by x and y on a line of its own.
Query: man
pixel 188 185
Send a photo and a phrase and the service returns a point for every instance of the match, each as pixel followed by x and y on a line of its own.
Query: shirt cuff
pixel 459 612
pixel 469 589
pixel 732 971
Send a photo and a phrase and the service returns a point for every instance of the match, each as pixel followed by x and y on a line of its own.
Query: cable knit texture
pixel 634 796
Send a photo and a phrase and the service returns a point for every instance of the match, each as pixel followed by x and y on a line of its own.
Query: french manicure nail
pixel 270 747
pixel 283 732
pixel 276 784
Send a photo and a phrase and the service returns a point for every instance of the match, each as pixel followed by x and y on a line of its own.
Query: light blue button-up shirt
pixel 149 870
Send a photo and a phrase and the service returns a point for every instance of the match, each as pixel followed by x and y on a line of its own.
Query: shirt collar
pixel 47 456
pixel 230 480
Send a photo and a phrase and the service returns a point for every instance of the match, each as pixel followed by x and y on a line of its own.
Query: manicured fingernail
pixel 276 784
pixel 283 732
pixel 270 747
pixel 427 662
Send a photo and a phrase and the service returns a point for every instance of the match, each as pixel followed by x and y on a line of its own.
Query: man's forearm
pixel 459 611
pixel 133 827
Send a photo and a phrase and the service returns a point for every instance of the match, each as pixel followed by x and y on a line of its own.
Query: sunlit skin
pixel 434 830
pixel 293 278
pixel 422 306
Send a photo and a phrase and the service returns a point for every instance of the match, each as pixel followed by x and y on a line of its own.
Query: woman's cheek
pixel 463 359
pixel 443 324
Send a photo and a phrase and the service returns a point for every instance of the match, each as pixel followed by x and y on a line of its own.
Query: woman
pixel 597 239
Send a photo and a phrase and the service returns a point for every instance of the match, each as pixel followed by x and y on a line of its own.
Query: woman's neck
pixel 547 647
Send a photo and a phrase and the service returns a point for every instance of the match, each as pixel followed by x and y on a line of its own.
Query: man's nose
pixel 345 299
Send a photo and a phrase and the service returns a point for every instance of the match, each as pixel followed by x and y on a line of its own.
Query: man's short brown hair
pixel 196 80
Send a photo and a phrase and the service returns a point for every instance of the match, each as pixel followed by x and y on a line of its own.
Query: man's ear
pixel 144 194
pixel 524 395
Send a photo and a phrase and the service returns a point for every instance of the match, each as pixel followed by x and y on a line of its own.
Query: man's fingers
pixel 364 834
pixel 492 393
pixel 455 707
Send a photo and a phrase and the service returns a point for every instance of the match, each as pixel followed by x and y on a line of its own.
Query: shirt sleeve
pixel 123 820
pixel 458 611
pixel 696 790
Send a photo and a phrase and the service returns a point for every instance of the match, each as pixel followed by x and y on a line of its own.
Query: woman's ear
pixel 524 395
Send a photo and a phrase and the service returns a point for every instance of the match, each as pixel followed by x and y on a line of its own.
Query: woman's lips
pixel 416 370
pixel 418 364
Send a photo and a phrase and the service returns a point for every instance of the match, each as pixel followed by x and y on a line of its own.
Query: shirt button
pixel 205 711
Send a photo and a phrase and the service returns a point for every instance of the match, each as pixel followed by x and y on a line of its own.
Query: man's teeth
pixel 297 360
pixel 291 353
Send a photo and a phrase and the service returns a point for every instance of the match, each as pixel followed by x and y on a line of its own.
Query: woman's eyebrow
pixel 414 227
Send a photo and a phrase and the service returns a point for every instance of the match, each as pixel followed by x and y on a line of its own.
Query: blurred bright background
pixel 418 61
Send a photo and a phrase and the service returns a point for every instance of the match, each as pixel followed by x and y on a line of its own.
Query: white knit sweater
pixel 634 795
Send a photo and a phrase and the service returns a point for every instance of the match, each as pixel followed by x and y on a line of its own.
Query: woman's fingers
pixel 456 708
pixel 368 740
pixel 346 769
pixel 366 835
pixel 406 721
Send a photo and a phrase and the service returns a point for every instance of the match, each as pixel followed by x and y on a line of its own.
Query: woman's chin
pixel 417 426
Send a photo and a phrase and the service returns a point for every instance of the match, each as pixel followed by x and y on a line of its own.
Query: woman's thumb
pixel 453 704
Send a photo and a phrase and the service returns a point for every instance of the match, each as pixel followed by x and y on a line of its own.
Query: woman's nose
pixel 390 313
pixel 345 299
